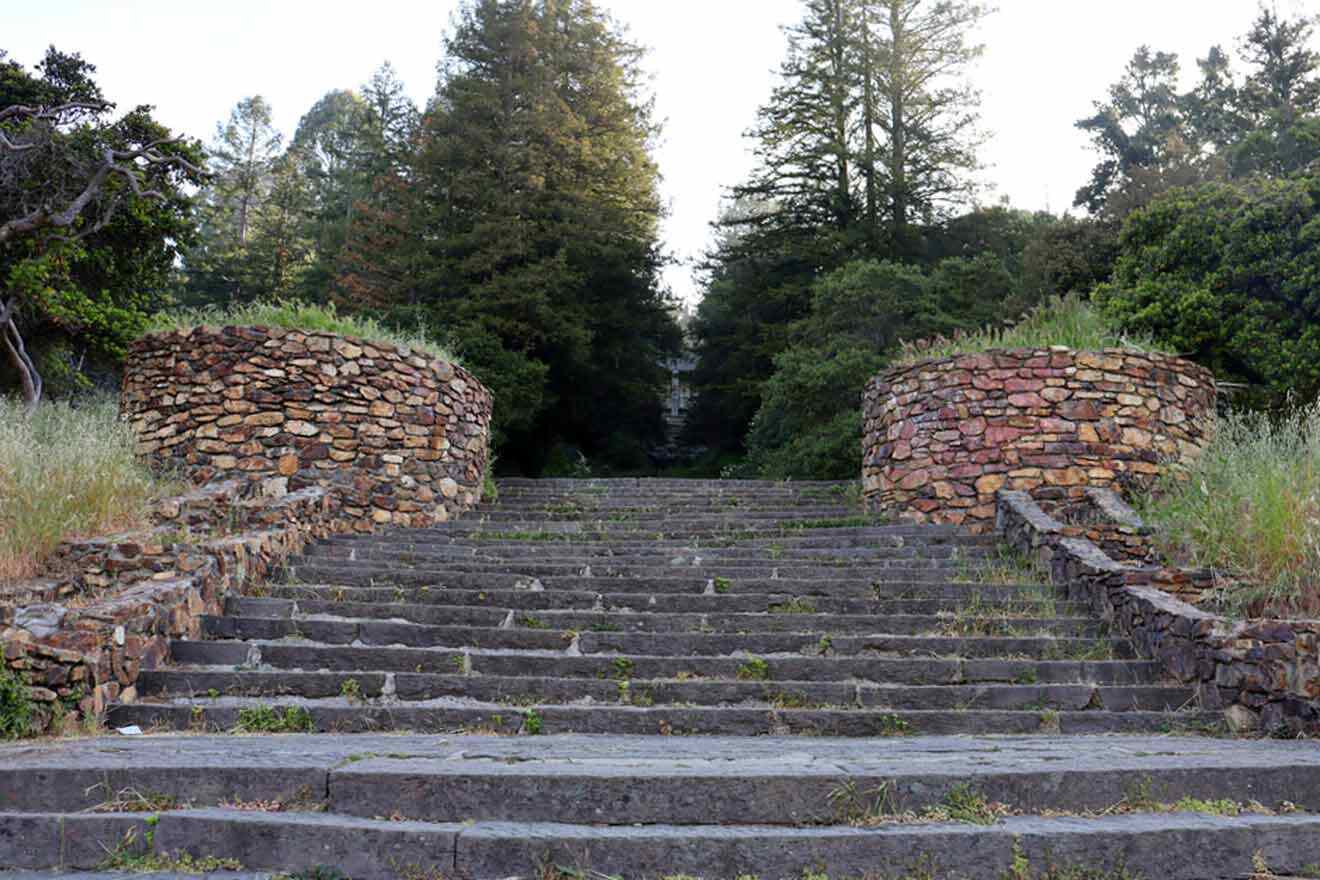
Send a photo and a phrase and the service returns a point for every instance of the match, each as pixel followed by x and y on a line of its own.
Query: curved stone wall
pixel 942 436
pixel 401 437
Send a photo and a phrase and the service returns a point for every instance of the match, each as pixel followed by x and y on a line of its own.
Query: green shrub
pixel 1249 507
pixel 1064 320
pixel 294 315
pixel 15 706
pixel 1227 273
pixel 69 470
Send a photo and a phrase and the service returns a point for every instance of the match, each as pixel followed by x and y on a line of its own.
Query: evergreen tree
pixel 913 53
pixel 864 147
pixel 222 266
pixel 529 229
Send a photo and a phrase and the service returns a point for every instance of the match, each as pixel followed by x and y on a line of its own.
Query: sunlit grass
pixel 1249 508
pixel 1065 320
pixel 293 315
pixel 68 471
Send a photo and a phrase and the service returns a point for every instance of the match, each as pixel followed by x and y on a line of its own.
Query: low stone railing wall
pixel 1265 674
pixel 79 640
pixel 943 436
pixel 401 437
pixel 292 437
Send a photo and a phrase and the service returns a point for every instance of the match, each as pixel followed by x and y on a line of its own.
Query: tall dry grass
pixel 1250 509
pixel 69 471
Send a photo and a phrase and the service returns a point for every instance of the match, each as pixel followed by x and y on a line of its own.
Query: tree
pixel 1227 273
pixel 1139 124
pixel 91 212
pixel 863 149
pixel 530 229
pixel 1280 98
pixel 913 94
pixel 1152 139
pixel 242 158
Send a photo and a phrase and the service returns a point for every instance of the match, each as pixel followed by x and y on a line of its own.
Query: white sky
pixel 712 63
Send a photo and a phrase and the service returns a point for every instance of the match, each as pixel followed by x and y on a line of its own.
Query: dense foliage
pixel 93 213
pixel 866 144
pixel 516 220
pixel 1229 273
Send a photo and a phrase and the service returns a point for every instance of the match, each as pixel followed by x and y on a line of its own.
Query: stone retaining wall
pixel 943 436
pixel 291 437
pixel 1265 674
pixel 80 640
pixel 400 436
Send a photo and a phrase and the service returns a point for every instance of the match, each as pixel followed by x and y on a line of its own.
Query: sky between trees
pixel 712 63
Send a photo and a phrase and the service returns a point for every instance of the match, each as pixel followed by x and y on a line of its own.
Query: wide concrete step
pixel 729 780
pixel 532 600
pixel 523 690
pixel 344 715
pixel 1181 846
pixel 795 615
pixel 807 641
pixel 313 656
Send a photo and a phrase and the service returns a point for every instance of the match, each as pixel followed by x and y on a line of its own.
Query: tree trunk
pixel 898 129
pixel 28 376
pixel 868 123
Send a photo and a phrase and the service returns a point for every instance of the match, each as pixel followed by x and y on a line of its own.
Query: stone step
pixel 369 573
pixel 532 600
pixel 555 552
pixel 1182 846
pixel 340 715
pixel 523 690
pixel 771 780
pixel 795 615
pixel 590 544
pixel 651 515
pixel 337 631
pixel 911 671
pixel 731 532
pixel 688 584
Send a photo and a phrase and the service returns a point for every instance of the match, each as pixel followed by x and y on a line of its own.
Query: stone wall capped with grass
pixel 942 436
pixel 401 436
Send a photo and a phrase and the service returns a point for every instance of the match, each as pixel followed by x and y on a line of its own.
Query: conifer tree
pixel 528 232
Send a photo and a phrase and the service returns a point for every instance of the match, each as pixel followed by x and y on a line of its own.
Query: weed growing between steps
pixel 879 806
pixel 1003 567
pixel 264 719
pixel 140 858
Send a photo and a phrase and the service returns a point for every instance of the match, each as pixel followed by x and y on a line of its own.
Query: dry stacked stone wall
pixel 943 436
pixel 400 437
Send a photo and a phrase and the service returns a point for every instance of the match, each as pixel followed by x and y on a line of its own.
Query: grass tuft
pixel 1249 508
pixel 1065 320
pixel 69 471
pixel 293 315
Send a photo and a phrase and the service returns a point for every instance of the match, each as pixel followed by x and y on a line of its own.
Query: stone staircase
pixel 713 679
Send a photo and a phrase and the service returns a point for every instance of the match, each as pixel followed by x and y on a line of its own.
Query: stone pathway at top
pixel 641 679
